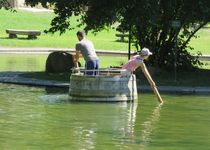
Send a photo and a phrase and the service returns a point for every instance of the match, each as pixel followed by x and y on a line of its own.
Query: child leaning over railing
pixel 138 61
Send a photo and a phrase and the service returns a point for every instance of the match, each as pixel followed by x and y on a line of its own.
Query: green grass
pixel 206 65
pixel 202 42
pixel 104 40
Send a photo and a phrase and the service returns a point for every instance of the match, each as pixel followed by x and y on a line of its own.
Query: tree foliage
pixel 5 4
pixel 149 22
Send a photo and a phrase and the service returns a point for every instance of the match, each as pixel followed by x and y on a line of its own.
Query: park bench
pixel 32 34
pixel 122 36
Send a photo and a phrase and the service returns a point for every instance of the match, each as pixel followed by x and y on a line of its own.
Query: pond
pixel 36 62
pixel 44 119
pixel 22 62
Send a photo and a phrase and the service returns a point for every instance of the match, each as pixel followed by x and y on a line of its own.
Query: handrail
pixel 101 71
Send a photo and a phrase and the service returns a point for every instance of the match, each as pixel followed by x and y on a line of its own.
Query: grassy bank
pixel 105 40
pixel 40 21
pixel 202 42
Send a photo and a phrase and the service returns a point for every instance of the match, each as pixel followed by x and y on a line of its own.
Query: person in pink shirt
pixel 138 61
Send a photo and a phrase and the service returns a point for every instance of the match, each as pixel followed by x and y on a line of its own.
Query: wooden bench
pixel 122 36
pixel 32 34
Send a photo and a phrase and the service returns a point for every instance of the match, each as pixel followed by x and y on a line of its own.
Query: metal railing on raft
pixel 101 72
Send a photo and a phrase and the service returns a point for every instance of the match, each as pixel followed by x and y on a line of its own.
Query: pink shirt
pixel 133 63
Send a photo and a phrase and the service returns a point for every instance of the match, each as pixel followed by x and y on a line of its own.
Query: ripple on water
pixel 55 98
pixel 31 118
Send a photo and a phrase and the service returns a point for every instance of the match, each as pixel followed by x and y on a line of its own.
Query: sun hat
pixel 145 52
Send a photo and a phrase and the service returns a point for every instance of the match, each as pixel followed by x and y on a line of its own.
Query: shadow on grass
pixel 124 41
pixel 18 38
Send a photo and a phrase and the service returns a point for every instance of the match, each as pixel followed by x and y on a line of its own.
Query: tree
pixel 5 4
pixel 149 22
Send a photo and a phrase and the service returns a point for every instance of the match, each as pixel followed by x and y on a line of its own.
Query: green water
pixel 40 119
pixel 22 62
pixel 36 62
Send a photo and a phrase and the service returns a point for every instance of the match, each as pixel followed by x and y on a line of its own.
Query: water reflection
pixel 22 62
pixel 90 124
pixel 55 98
pixel 10 64
pixel 32 119
pixel 148 126
pixel 53 90
pixel 118 124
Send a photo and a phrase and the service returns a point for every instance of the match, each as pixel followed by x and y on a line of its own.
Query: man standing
pixel 87 49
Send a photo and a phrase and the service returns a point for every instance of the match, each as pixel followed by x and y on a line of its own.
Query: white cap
pixel 145 52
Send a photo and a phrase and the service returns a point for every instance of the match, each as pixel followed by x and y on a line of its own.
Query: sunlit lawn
pixel 202 42
pixel 105 40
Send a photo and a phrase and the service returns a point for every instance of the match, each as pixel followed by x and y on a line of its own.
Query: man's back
pixel 87 49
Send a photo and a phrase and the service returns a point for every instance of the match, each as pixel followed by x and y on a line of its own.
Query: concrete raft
pixel 102 88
